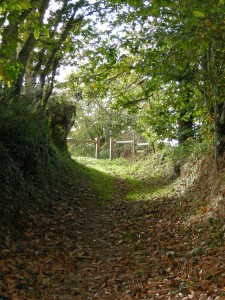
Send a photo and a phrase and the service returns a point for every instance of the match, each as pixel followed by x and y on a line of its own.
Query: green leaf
pixel 135 2
pixel 46 32
pixel 25 4
pixel 198 14
pixel 115 1
pixel 129 2
pixel 222 2
pixel 36 32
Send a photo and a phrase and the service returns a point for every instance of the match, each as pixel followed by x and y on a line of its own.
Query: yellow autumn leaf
pixel 151 230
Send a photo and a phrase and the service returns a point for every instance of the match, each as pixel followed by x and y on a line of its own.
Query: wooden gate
pixel 133 142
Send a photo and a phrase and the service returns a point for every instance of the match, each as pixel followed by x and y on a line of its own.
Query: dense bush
pixel 24 143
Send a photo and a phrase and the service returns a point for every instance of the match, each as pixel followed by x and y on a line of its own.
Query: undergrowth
pixel 24 145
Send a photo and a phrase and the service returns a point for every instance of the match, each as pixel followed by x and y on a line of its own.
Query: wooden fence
pixel 133 142
pixel 112 145
pixel 96 141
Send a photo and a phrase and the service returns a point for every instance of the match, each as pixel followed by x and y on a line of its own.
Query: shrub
pixel 24 142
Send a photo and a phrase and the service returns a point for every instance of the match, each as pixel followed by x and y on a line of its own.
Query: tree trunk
pixel 185 128
pixel 219 129
pixel 28 47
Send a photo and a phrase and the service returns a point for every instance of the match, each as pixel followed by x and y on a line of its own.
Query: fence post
pixel 134 144
pixel 111 149
pixel 97 148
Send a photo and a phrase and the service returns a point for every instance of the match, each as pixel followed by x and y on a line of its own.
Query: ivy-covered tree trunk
pixel 185 119
pixel 219 129
pixel 185 128
pixel 213 78
pixel 62 116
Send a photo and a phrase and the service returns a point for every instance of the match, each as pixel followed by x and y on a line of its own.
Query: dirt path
pixel 141 251
pixel 80 250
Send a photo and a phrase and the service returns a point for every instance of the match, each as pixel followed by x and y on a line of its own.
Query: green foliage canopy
pixel 166 56
pixel 162 60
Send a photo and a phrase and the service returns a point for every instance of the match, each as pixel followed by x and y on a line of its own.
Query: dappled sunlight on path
pixel 80 248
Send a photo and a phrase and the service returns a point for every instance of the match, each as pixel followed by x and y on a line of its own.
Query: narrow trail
pixel 139 251
pixel 121 251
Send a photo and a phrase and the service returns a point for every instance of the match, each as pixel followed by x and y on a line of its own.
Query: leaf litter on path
pixel 125 250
